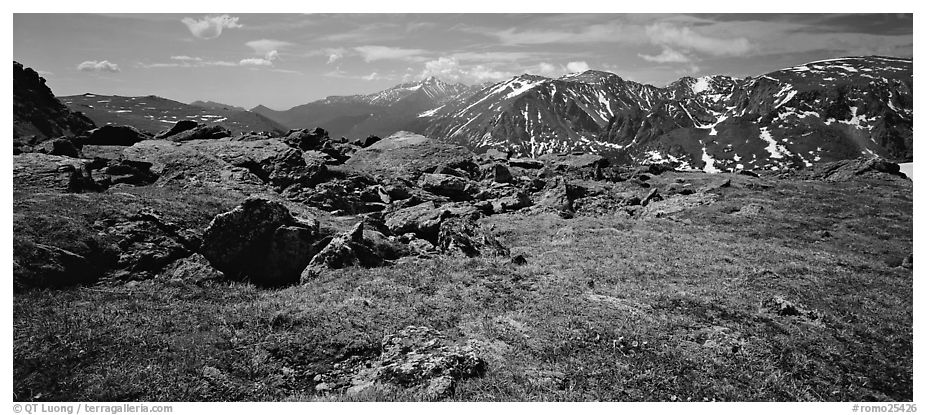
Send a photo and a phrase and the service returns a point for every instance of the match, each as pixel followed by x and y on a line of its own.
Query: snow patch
pixel 776 151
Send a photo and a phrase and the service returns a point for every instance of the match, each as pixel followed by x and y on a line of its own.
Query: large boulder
pixel 422 220
pixel 110 172
pixel 465 236
pixel 419 359
pixel 244 166
pixel 52 173
pixel 344 250
pixel 59 147
pixel 407 156
pixel 38 265
pixel 453 187
pixel 179 127
pixel 145 244
pixel 114 135
pixel 844 170
pixel 201 132
pixel 557 197
pixel 305 139
pixel 261 241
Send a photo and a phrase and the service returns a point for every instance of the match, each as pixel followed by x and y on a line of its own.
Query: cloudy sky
pixel 288 59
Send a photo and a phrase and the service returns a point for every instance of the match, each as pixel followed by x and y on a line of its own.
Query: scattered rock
pixel 778 305
pixel 510 203
pixel 59 147
pixel 843 170
pixel 495 154
pixel 52 173
pixel 420 357
pixel 260 241
pixel 368 141
pixel 525 163
pixel 499 173
pixel 751 209
pixel 407 156
pixel 464 235
pixel 305 139
pixel 652 196
pixel 346 249
pixel 456 188
pixel 194 268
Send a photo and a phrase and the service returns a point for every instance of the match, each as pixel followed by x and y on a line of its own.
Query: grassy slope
pixel 618 309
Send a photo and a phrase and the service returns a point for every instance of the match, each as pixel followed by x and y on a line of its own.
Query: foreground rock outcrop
pixel 260 241
pixel 417 358
pixel 37 114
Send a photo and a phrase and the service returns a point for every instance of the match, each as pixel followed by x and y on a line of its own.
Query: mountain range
pixel 154 114
pixel 380 113
pixel 820 111
pixel 816 112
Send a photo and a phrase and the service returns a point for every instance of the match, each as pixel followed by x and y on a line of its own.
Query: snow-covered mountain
pixel 820 111
pixel 380 113
pixel 534 115
pixel 816 112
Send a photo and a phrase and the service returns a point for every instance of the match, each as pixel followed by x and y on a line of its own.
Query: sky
pixel 284 60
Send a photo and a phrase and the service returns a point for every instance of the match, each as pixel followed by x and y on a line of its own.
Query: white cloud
pixel 449 69
pixel 210 27
pixel 688 39
pixel 370 77
pixel 267 60
pixel 98 66
pixel 579 66
pixel 335 54
pixel 668 55
pixel 255 62
pixel 593 33
pixel 264 46
pixel 372 53
pixel 186 58
pixel 547 69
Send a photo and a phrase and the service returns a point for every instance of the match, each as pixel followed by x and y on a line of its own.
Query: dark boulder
pixel 499 173
pixel 114 135
pixel 368 141
pixel 201 132
pixel 525 163
pixel 58 147
pixel 456 188
pixel 347 249
pixel 179 127
pixel 262 242
pixel 305 139
pixel 515 201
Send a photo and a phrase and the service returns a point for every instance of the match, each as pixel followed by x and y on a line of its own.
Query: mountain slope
pixel 153 113
pixel 36 111
pixel 381 113
pixel 533 115
pixel 817 112
pixel 820 111
pixel 212 105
